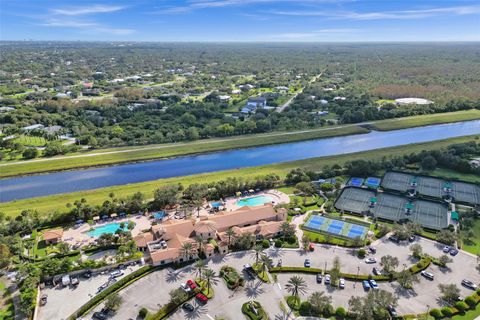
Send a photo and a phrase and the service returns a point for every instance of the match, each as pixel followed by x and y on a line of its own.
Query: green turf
pixel 47 204
pixel 416 121
pixel 469 315
pixel 472 244
pixel 31 141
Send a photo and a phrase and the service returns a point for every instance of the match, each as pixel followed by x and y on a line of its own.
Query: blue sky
pixel 241 20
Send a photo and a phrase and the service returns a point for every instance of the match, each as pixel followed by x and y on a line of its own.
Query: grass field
pixel 472 245
pixel 129 154
pixel 57 202
pixel 31 141
pixel 417 121
pixel 450 174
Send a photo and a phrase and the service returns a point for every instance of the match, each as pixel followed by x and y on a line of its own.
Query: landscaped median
pixel 254 311
pixel 117 286
pixel 416 268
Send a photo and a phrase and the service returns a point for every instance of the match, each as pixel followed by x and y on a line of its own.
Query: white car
pixel 342 283
pixel 446 249
pixel 327 279
pixel 185 287
pixel 427 275
pixel 370 260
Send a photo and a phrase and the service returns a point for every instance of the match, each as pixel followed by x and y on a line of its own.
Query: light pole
pixel 355 283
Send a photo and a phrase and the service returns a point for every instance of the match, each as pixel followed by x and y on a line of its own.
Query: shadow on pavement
pixel 253 290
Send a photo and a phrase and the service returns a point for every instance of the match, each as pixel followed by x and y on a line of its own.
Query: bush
pixel 278 243
pixel 142 314
pixel 471 301
pixel 437 314
pixel 340 313
pixel 361 253
pixel 261 313
pixel 265 244
pixel 461 306
pixel 305 308
pixel 447 312
pixel 293 302
pixel 328 311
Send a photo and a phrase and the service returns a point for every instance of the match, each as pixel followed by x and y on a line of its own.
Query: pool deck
pixel 277 196
pixel 79 235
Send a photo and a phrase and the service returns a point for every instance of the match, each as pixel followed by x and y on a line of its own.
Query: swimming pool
pixel 108 228
pixel 254 201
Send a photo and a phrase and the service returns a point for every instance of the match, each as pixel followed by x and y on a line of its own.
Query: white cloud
pixel 403 14
pixel 78 11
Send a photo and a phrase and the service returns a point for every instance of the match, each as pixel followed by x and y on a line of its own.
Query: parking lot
pixel 63 301
pixel 153 290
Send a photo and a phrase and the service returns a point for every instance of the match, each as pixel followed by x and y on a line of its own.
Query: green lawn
pixel 31 141
pixel 472 245
pixel 417 121
pixel 47 204
pixel 450 174
pixel 469 315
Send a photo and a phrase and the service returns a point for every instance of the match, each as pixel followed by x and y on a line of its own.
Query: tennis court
pixel 335 227
pixel 372 182
pixel 354 200
pixel 355 182
pixel 429 214
pixel 431 187
pixel 465 192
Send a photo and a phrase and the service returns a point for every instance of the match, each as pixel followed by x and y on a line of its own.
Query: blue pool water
pixel 108 228
pixel 216 204
pixel 254 201
pixel 159 215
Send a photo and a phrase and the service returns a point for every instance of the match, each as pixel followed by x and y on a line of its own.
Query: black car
pixel 412 238
pixel 99 316
pixel 394 239
pixel 87 274
pixel 453 252
pixel 372 250
pixel 392 311
pixel 319 278
pixel 188 307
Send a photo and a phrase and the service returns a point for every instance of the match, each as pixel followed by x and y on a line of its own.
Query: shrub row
pixel 169 308
pixel 460 307
pixel 117 286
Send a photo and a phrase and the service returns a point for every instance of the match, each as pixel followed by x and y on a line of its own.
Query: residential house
pixel 253 103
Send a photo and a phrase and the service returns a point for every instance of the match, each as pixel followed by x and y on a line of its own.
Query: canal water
pixel 77 180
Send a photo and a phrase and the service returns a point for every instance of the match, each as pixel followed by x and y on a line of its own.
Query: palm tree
pixel 286 229
pixel 200 266
pixel 319 301
pixel 200 242
pixel 230 234
pixel 210 278
pixel 265 263
pixel 257 252
pixel 186 249
pixel 295 286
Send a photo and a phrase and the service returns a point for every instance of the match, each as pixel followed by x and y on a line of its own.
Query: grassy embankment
pixel 416 121
pixel 97 196
pixel 130 154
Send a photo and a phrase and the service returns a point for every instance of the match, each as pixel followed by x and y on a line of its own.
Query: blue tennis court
pixel 335 227
pixel 373 182
pixel 356 182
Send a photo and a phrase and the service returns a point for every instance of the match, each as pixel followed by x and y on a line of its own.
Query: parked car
pixel 453 252
pixel 366 285
pixel 201 297
pixel 307 263
pixel 188 307
pixel 446 249
pixel 376 271
pixel 43 299
pixel 249 271
pixel 412 238
pixel 373 284
pixel 87 274
pixel 469 284
pixel 392 311
pixel 74 281
pixel 394 239
pixel 185 287
pixel 372 250
pixel 327 279
pixel 341 283
pixel 191 284
pixel 99 316
pixel 427 275
pixel 311 247
pixel 319 278
pixel 102 287
pixel 279 263
pixel 370 260
pixel 116 273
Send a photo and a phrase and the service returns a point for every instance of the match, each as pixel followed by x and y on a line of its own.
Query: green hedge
pixel 168 309
pixel 262 314
pixel 117 286
pixel 419 266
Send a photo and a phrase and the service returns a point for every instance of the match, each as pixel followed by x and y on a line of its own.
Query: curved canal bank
pixel 77 180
